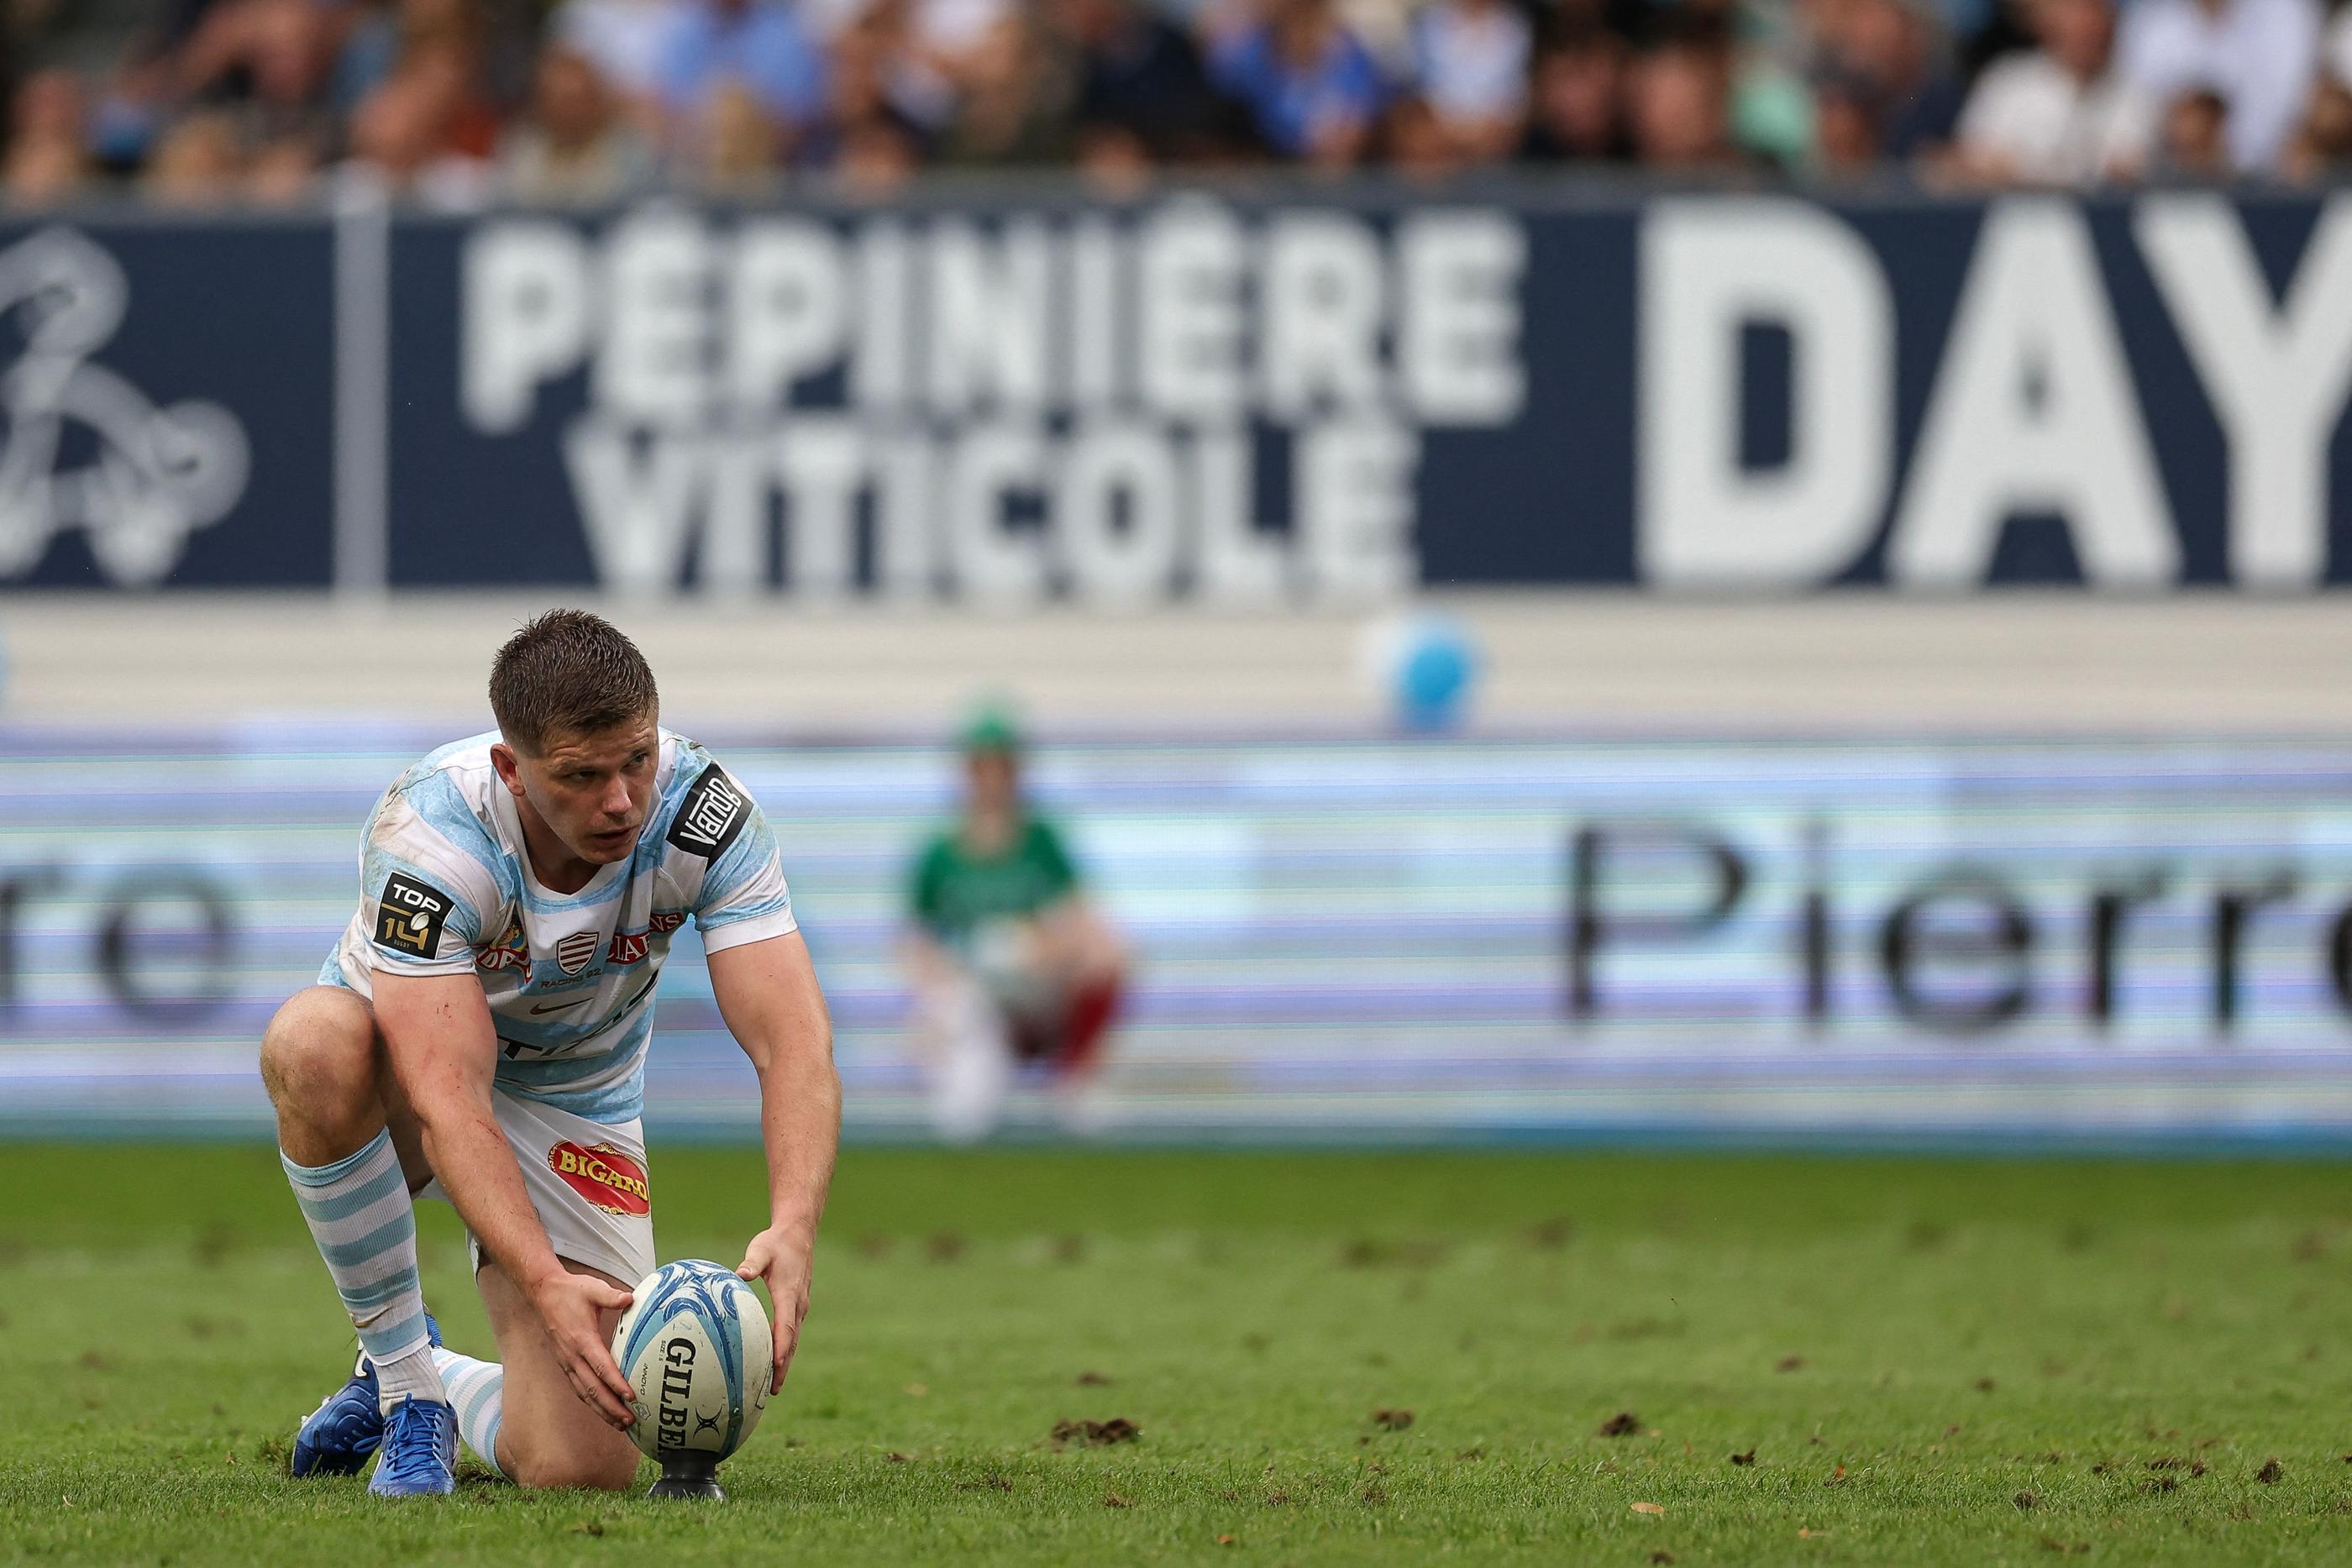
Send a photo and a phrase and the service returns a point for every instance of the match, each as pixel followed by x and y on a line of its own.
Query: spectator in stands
pixel 1313 90
pixel 760 45
pixel 737 93
pixel 1889 52
pixel 2058 114
pixel 200 163
pixel 626 42
pixel 2005 27
pixel 2259 56
pixel 1416 143
pixel 1579 91
pixel 1470 66
pixel 573 148
pixel 126 112
pixel 1774 90
pixel 1679 107
pixel 284 171
pixel 874 147
pixel 739 151
pixel 1633 21
pixel 274 57
pixel 877 158
pixel 2318 149
pixel 410 137
pixel 428 129
pixel 1849 140
pixel 365 58
pixel 886 39
pixel 2194 139
pixel 942 40
pixel 1143 96
pixel 1014 109
pixel 447 36
pixel 48 149
pixel 2322 146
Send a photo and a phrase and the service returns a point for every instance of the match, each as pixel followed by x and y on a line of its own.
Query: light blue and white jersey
pixel 446 888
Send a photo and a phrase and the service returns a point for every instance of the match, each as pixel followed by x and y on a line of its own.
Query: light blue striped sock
pixel 477 1389
pixel 359 1213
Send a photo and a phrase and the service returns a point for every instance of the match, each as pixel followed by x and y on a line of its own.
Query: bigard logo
pixel 608 1178
pixel 409 915
pixel 711 815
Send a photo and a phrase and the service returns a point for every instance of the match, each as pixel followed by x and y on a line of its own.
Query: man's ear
pixel 508 766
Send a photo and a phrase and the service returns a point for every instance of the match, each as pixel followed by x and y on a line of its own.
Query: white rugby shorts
pixel 587 1180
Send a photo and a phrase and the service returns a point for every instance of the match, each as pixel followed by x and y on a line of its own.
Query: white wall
pixel 2217 663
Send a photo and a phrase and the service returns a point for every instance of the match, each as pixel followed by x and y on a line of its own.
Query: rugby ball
pixel 699 1352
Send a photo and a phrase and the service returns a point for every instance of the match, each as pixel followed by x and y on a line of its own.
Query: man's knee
pixel 603 1470
pixel 319 1050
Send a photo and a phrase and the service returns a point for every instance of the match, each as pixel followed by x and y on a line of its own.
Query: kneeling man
pixel 479 1036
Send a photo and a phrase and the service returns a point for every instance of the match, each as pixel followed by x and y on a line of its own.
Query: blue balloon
pixel 1436 668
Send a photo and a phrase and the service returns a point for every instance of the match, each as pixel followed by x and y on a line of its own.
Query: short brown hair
pixel 568 671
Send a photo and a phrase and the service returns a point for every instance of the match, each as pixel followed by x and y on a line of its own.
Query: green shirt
pixel 955 893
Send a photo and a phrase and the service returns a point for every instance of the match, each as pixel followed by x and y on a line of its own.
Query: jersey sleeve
pixel 426 892
pixel 743 897
pixel 924 875
pixel 1061 874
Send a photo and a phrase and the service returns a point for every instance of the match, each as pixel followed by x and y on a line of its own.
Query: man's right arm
pixel 443 1049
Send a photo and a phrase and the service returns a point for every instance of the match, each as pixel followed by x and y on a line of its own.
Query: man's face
pixel 593 790
pixel 994 777
pixel 2076 33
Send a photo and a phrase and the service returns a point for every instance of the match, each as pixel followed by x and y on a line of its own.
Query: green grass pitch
pixel 1805 1361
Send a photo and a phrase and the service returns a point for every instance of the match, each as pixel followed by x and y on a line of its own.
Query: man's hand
pixel 570 1306
pixel 782 1259
pixel 768 994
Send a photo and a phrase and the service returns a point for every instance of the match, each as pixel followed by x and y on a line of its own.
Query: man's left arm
pixel 766 992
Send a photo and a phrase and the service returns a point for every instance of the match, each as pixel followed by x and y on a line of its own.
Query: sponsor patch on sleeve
pixel 409 915
pixel 713 812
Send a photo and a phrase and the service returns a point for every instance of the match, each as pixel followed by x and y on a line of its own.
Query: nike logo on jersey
pixel 561 1006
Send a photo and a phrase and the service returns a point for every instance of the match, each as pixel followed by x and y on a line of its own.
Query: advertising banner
pixel 1354 939
pixel 169 405
pixel 1293 397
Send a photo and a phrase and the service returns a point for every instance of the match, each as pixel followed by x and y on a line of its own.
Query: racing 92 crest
pixel 83 448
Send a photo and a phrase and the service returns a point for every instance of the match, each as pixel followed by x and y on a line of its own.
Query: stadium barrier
pixel 1290 395
pixel 2108 942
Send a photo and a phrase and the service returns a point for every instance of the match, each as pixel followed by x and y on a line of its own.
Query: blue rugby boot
pixel 419 1454
pixel 341 1432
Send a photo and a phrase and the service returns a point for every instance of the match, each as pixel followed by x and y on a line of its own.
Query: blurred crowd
pixel 458 103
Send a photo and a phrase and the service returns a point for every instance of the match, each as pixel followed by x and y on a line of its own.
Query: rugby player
pixel 479 1036
pixel 1011 965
